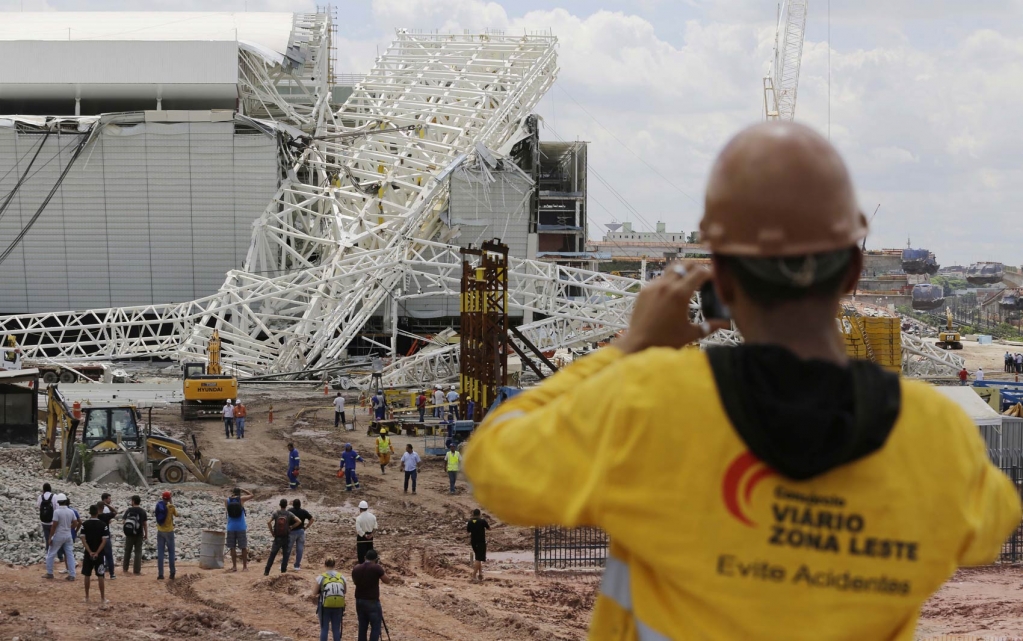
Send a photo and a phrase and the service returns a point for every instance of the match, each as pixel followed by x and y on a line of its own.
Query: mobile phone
pixel 711 305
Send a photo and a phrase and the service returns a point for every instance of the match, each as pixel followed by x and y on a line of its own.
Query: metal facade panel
pixel 151 213
pixel 118 62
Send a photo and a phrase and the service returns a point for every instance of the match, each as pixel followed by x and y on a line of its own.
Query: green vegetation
pixel 949 285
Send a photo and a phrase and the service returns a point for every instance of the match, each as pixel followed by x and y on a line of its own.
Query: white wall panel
pixel 151 213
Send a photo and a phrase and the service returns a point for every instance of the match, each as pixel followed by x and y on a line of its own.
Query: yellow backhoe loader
pixel 206 389
pixel 112 429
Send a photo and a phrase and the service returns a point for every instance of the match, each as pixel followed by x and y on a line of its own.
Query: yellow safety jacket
pixel 453 460
pixel 710 543
pixel 384 445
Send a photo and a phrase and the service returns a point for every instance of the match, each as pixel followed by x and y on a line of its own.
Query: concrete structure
pixel 624 243
pixel 561 218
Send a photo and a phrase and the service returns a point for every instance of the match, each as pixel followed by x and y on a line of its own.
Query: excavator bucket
pixel 214 475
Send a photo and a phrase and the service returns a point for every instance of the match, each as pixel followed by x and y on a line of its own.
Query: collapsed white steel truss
pixel 354 219
pixel 782 82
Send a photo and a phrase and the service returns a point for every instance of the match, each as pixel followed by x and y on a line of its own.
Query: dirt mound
pixel 182 588
pixel 437 566
pixel 286 584
pixel 204 624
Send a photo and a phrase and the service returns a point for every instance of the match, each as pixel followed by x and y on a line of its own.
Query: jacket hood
pixel 805 418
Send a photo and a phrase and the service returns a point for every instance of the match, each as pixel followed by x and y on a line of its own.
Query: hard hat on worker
pixel 383 430
pixel 363 505
pixel 777 190
pixel 61 497
pixel 452 388
pixel 165 496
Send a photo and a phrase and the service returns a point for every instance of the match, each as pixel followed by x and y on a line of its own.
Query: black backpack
pixel 234 507
pixel 132 526
pixel 46 508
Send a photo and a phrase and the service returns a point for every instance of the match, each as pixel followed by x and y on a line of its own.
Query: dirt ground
pixel 976 603
pixel 421 539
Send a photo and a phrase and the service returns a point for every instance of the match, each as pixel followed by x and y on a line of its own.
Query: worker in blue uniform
pixel 292 467
pixel 348 459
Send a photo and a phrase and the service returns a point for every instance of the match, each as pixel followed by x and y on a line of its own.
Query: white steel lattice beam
pixel 782 82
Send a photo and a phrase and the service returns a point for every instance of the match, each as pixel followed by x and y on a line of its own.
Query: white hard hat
pixel 452 388
pixel 61 497
pixel 363 505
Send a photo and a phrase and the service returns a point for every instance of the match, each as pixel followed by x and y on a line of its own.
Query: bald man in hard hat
pixel 773 490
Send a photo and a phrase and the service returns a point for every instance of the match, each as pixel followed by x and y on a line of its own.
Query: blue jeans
pixel 228 427
pixel 297 543
pixel 108 556
pixel 411 475
pixel 452 476
pixel 164 540
pixel 370 615
pixel 331 617
pixel 65 543
pixel 239 427
pixel 46 533
pixel 422 414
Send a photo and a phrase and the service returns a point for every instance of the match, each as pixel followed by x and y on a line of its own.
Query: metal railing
pixel 1012 548
pixel 558 548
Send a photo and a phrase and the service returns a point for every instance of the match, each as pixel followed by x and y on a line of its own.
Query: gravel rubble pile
pixel 21 482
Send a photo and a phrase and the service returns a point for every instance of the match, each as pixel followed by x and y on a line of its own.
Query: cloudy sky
pixel 925 98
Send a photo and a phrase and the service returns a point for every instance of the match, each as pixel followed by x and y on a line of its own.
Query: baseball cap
pixel 166 495
pixel 363 505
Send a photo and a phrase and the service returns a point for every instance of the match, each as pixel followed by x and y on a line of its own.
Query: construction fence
pixel 558 548
pixel 1012 548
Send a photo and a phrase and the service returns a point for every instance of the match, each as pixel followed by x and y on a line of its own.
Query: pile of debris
pixel 21 541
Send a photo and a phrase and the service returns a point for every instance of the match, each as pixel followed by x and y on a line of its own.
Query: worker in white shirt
pixel 339 411
pixel 980 374
pixel 228 419
pixel 453 401
pixel 410 464
pixel 438 402
pixel 365 523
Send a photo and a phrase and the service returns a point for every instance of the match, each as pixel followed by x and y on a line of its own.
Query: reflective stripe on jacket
pixel 710 543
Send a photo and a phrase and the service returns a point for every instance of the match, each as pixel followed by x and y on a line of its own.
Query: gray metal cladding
pixel 150 213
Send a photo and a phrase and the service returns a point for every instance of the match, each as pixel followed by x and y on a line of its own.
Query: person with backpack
pixel 107 512
pixel 297 536
pixel 348 460
pixel 164 513
pixel 136 530
pixel 293 467
pixel 237 528
pixel 46 503
pixel 330 600
pixel 281 524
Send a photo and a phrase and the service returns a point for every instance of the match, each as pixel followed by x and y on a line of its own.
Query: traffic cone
pixel 325 391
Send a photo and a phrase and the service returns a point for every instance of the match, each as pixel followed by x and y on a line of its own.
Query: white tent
pixel 974 406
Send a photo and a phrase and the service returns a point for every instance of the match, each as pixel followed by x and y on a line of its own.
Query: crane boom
pixel 782 81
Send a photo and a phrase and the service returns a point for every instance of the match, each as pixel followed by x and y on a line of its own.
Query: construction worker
pixel 979 376
pixel 452 463
pixel 240 412
pixel 452 399
pixel 228 412
pixel 421 406
pixel 348 459
pixel 806 494
pixel 365 524
pixel 292 467
pixel 438 402
pixel 477 528
pixel 384 449
pixel 339 412
pixel 964 376
pixel 379 402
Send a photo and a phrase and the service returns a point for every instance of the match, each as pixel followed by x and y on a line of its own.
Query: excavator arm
pixel 59 415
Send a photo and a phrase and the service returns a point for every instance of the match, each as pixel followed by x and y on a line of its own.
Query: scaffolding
pixel 483 352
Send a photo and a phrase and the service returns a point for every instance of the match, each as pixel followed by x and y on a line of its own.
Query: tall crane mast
pixel 782 81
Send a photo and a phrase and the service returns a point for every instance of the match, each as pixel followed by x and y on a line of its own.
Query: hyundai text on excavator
pixel 206 389
pixel 115 430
